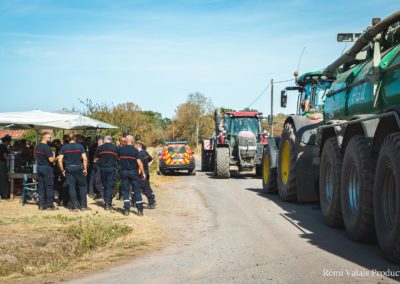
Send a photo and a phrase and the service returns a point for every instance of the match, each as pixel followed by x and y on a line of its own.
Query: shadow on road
pixel 234 175
pixel 307 217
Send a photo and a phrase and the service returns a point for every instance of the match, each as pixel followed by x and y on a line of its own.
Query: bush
pixel 93 232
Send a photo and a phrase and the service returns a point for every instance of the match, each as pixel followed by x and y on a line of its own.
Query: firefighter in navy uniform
pixel 131 168
pixel 106 158
pixel 74 157
pixel 45 158
pixel 145 183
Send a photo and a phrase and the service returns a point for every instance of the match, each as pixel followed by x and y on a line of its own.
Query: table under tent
pixel 39 120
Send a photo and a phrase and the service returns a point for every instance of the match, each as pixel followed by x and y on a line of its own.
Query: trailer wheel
pixel 357 190
pixel 222 160
pixel 206 160
pixel 269 182
pixel 286 165
pixel 329 183
pixel 259 170
pixel 386 197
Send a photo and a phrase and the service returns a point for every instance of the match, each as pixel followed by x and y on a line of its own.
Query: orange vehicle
pixel 177 156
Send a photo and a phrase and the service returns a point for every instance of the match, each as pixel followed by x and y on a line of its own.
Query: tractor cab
pixel 311 87
pixel 242 122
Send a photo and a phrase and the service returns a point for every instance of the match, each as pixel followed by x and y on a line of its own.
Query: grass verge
pixel 36 246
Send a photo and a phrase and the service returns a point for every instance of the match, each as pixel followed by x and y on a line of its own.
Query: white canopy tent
pixel 37 119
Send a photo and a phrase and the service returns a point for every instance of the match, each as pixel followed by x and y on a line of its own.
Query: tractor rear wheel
pixel 269 181
pixel 222 160
pixel 386 196
pixel 329 183
pixel 205 160
pixel 258 170
pixel 286 165
pixel 357 190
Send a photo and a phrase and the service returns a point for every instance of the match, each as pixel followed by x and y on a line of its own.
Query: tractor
pixel 353 158
pixel 237 141
pixel 290 164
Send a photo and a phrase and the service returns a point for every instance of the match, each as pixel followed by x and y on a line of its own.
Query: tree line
pixel 192 122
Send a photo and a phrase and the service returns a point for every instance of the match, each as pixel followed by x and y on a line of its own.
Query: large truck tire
pixel 287 165
pixel 269 180
pixel 222 160
pixel 259 170
pixel 205 160
pixel 386 196
pixel 357 190
pixel 329 183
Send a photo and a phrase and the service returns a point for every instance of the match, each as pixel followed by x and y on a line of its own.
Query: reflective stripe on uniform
pixel 72 151
pixel 127 157
pixel 108 152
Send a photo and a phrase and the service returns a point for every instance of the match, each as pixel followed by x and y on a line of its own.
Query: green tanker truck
pixel 356 149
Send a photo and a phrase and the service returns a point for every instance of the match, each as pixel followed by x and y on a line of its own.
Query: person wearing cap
pixel 44 159
pixel 106 158
pixel 131 167
pixel 4 151
pixel 146 159
pixel 73 165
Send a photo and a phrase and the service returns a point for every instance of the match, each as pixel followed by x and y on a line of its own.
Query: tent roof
pixel 37 119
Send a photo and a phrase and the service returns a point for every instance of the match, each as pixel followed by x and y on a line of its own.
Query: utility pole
pixel 197 133
pixel 173 131
pixel 272 108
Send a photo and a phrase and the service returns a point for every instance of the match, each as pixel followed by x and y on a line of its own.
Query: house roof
pixel 17 134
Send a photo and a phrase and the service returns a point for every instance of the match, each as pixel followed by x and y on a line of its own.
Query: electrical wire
pixel 259 96
pixel 283 81
pixel 266 88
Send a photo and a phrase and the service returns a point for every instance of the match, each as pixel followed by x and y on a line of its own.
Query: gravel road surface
pixel 228 231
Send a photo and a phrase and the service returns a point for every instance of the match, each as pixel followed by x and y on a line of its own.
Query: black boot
pixel 140 212
pixel 126 212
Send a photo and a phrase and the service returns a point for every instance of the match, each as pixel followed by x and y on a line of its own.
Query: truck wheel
pixel 386 197
pixel 329 183
pixel 356 190
pixel 205 160
pixel 269 182
pixel 222 160
pixel 286 165
pixel 259 171
pixel 204 167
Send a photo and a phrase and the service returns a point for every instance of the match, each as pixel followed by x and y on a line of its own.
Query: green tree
pixel 195 114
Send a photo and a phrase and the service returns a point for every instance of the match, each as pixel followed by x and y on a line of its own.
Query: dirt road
pixel 223 231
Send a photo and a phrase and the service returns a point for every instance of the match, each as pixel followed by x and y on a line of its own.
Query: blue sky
pixel 154 53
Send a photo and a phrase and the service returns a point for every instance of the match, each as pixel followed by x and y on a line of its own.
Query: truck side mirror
pixel 283 98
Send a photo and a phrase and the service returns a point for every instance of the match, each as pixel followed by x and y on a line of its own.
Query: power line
pixel 266 88
pixel 259 96
pixel 283 81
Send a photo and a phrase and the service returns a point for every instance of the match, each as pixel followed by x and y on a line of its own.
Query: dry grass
pixel 156 179
pixel 41 246
pixel 38 246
